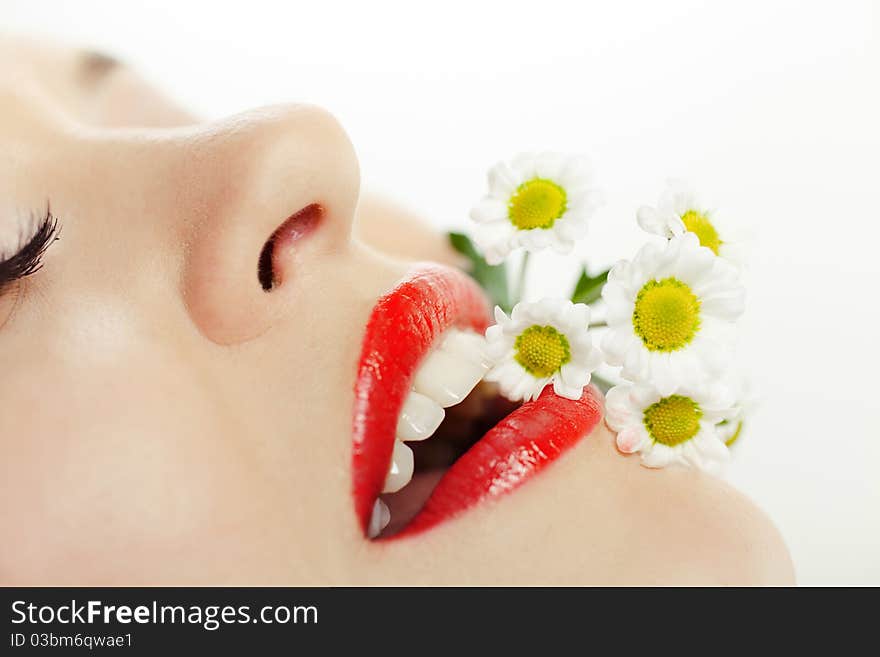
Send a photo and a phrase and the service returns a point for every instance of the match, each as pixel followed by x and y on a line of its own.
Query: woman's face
pixel 164 417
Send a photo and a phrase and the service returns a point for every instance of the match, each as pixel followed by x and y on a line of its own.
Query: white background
pixel 769 108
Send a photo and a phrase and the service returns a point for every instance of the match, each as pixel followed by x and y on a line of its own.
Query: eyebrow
pixel 93 66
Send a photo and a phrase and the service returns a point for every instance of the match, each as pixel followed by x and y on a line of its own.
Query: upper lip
pixel 403 327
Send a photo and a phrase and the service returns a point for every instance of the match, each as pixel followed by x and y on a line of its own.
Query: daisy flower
pixel 681 427
pixel 680 211
pixel 535 201
pixel 671 313
pixel 543 342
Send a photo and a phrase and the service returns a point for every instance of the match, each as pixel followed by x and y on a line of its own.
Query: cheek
pixel 107 476
pixel 8 301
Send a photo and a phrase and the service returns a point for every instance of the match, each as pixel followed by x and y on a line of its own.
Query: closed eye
pixel 28 259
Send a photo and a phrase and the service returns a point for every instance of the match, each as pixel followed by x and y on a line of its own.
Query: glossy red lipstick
pixel 522 444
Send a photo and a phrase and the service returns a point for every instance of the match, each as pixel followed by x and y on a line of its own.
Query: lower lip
pixel 517 448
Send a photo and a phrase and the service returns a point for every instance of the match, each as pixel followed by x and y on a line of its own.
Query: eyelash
pixel 29 258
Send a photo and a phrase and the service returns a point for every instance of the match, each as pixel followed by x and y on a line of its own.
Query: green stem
pixel 521 281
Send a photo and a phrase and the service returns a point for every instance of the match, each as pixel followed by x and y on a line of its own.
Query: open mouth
pixel 428 441
pixel 418 465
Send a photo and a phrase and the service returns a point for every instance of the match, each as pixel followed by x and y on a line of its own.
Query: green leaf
pixel 492 278
pixel 462 243
pixel 589 288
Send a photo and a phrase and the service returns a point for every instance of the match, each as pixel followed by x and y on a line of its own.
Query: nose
pixel 271 190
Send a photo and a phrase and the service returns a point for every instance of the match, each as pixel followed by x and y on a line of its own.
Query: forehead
pixel 39 81
pixel 58 69
pixel 50 63
pixel 22 57
pixel 29 74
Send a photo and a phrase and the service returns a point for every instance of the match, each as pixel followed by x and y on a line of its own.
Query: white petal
pixel 619 310
pixel 658 456
pixel 620 272
pixel 675 225
pixel 694 261
pixel 492 233
pixel 631 439
pixel 489 209
pixel 496 255
pixel 544 309
pixel 571 228
pixel 503 181
pixel 500 348
pixel 663 374
pixel 728 306
pixel 550 166
pixel 594 360
pixel 579 315
pixel 506 373
pixel 649 221
pixel 500 316
pixel 689 454
pixel 643 395
pixel 678 196
pixel 521 312
pixel 564 319
pixel 525 166
pixel 535 239
pixel 711 447
pixel 569 392
pixel 575 375
pixel 527 388
pixel 577 173
pixel 563 247
pixel 614 345
pixel 635 360
pixel 494 240
pixel 617 406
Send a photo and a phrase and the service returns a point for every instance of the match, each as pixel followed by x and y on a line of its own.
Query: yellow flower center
pixel 537 203
pixel 699 224
pixel 542 350
pixel 666 315
pixel 673 420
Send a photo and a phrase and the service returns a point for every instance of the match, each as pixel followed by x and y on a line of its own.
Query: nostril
pixel 294 228
pixel 265 271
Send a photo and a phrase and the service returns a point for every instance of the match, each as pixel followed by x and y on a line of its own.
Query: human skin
pixel 167 421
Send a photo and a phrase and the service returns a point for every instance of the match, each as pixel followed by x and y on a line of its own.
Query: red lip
pixel 523 443
pixel 401 330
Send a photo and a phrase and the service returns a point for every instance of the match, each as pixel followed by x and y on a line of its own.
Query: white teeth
pixel 450 372
pixel 469 344
pixel 419 418
pixel 379 520
pixel 401 471
pixel 445 378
